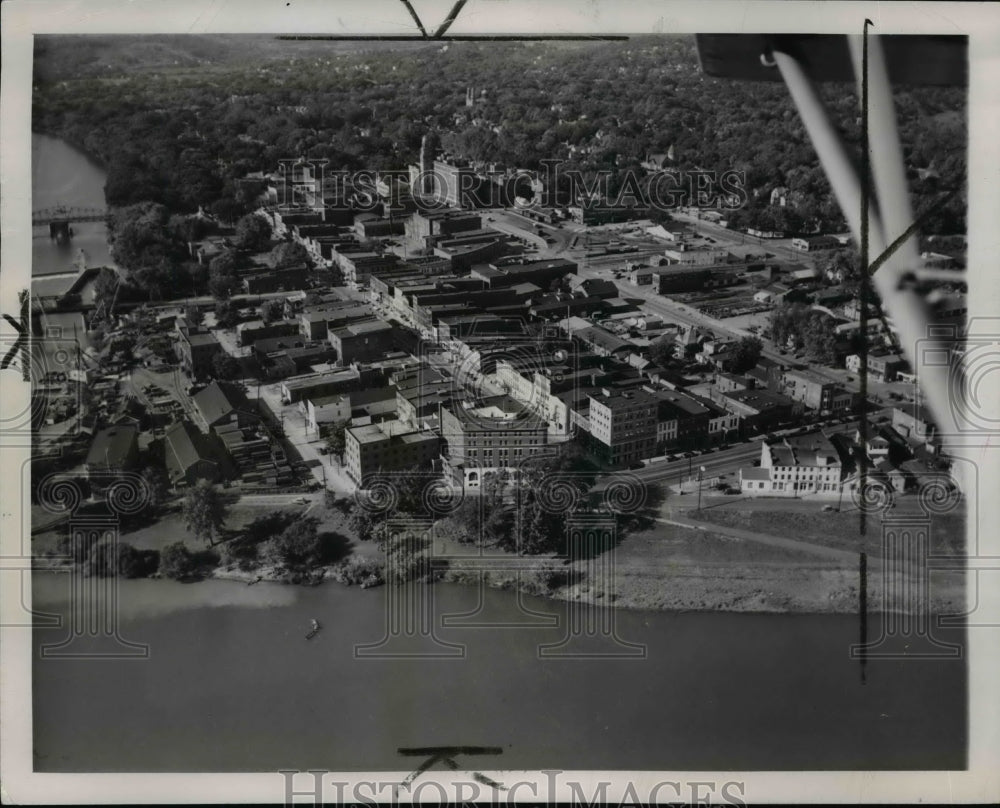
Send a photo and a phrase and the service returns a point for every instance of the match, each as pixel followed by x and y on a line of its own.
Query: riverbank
pixel 666 568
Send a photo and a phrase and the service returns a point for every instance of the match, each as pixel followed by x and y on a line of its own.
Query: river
pixel 232 685
pixel 61 176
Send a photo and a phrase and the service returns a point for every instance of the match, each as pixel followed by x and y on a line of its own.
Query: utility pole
pixel 701 471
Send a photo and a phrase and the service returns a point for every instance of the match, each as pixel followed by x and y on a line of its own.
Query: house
pixel 218 404
pixel 807 464
pixel 188 456
pixel 876 445
pixel 113 450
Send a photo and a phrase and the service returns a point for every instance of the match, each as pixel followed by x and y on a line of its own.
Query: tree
pixel 176 561
pixel 746 354
pixel 288 254
pixel 262 529
pixel 222 278
pixel 253 233
pixel 204 511
pixel 225 314
pixel 272 310
pixel 225 366
pixel 121 559
pixel 366 526
pixel 299 544
pixel 661 351
pixel 336 440
pixel 226 210
pixel 157 486
pixel 194 316
pixel 106 288
pixel 542 529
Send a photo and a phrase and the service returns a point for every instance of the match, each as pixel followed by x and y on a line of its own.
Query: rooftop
pixel 183 447
pixel 214 402
pixel 813 449
pixel 111 446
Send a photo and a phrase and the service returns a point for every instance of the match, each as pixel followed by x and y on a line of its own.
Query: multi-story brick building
pixel 387 446
pixel 196 352
pixel 362 342
pixel 623 425
pixel 816 392
pixel 494 438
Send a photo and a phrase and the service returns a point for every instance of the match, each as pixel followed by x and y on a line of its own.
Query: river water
pixel 232 685
pixel 63 177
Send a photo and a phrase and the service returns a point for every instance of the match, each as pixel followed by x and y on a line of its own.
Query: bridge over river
pixel 61 217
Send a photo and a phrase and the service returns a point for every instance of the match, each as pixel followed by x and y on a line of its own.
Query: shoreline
pixel 688 600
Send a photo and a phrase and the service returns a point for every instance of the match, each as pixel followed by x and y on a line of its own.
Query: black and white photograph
pixel 500 402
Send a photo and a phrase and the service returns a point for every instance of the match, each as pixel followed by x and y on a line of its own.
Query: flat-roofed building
pixel 387 446
pixel 362 342
pixel 196 352
pixel 490 439
pixel 316 321
pixel 761 409
pixel 420 392
pixel 248 333
pixel 816 391
pixel 326 409
pixel 623 424
pixel 340 380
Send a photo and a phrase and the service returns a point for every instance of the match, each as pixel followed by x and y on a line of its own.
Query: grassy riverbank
pixel 667 567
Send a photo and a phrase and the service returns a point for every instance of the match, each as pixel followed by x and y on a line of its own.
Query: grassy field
pixel 837 529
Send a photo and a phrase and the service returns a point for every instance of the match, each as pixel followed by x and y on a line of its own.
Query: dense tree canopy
pixel 170 135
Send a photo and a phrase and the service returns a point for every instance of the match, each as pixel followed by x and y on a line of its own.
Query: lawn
pixel 838 529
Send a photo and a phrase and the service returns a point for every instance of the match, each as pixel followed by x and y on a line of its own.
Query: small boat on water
pixel 314 630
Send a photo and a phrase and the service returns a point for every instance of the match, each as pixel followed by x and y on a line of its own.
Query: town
pixel 478 329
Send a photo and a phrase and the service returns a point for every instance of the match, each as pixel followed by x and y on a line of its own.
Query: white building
pixel 793 467
pixel 535 393
pixel 328 409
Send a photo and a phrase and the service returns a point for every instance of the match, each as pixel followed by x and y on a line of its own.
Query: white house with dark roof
pixel 794 467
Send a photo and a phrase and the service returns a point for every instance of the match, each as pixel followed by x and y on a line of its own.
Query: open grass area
pixel 838 529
